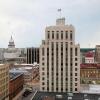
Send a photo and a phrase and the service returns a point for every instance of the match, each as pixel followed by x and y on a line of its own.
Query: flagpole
pixel 59 10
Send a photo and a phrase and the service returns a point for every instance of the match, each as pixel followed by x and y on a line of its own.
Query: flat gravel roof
pixel 65 96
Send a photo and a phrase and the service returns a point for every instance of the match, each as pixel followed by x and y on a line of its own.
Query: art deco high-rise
pixel 60 59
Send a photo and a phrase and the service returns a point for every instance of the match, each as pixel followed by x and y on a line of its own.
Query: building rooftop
pixel 65 96
pixel 86 49
pixel 90 88
pixel 92 65
pixel 14 75
pixel 89 54
pixel 19 71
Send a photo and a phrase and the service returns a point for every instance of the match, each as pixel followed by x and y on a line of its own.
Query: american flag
pixel 59 10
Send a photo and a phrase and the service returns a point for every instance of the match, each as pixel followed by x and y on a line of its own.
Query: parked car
pixel 26 93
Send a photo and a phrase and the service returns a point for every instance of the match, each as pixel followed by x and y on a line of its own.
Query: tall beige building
pixel 60 59
pixel 4 82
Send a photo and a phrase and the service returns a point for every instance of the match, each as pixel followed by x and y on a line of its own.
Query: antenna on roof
pixel 59 10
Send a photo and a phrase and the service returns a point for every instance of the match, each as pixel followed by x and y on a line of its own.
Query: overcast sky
pixel 26 20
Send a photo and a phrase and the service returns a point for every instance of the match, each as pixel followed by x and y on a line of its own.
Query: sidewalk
pixel 19 95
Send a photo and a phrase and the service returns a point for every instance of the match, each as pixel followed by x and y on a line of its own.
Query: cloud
pixel 27 19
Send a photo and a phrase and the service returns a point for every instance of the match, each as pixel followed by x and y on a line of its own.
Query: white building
pixel 89 57
pixel 60 59
pixel 12 54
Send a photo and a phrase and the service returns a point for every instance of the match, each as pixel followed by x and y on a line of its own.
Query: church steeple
pixel 11 43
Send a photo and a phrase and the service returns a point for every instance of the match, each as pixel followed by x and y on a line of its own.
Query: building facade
pixel 15 84
pixel 4 82
pixel 32 55
pixel 90 73
pixel 97 54
pixel 83 52
pixel 89 57
pixel 60 59
pixel 12 54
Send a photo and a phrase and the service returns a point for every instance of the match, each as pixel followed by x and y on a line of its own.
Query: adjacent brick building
pixel 15 85
pixel 90 73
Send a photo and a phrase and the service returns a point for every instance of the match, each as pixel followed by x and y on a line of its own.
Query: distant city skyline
pixel 26 20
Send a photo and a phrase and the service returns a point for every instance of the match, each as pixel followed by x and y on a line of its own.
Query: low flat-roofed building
pixel 4 82
pixel 15 84
pixel 65 96
pixel 32 68
pixel 29 70
pixel 27 73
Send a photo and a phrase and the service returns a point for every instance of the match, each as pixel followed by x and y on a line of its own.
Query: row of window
pixel 61 63
pixel 43 88
pixel 59 35
pixel 61 51
pixel 76 74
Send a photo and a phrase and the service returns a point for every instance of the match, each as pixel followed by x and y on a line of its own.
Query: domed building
pixel 11 43
pixel 12 54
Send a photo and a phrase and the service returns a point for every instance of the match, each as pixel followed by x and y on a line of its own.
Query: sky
pixel 26 20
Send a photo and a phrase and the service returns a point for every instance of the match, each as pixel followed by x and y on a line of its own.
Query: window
pixel 75 59
pixel 75 69
pixel 75 51
pixel 75 84
pixel 75 89
pixel 71 75
pixel 66 34
pixel 48 36
pixel 43 63
pixel 43 73
pixel 43 68
pixel 75 79
pixel 66 79
pixel 48 88
pixel 61 34
pixel 42 51
pixel 43 83
pixel 42 58
pixel 57 35
pixel 52 34
pixel 71 36
pixel 75 64
pixel 42 88
pixel 61 69
pixel 57 74
pixel 43 79
pixel 47 72
pixel 62 89
pixel 75 74
pixel 71 64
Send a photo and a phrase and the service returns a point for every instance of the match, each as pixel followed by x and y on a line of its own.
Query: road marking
pixel 33 95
